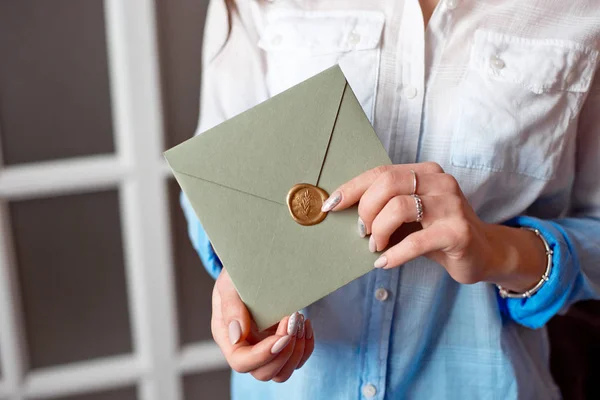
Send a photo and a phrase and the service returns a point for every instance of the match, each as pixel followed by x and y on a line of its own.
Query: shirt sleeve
pixel 200 240
pixel 233 80
pixel 574 239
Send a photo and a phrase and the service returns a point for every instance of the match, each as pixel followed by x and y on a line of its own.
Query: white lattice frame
pixel 140 173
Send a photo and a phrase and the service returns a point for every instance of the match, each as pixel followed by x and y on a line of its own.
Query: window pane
pixel 208 385
pixel 115 394
pixel 180 29
pixel 71 271
pixel 194 286
pixel 54 87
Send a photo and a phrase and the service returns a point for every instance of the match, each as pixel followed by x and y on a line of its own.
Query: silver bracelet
pixel 504 293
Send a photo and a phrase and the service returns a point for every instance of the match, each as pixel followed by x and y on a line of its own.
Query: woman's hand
pixel 273 354
pixel 452 235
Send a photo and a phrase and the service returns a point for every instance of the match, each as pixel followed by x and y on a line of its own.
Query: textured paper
pixel 237 176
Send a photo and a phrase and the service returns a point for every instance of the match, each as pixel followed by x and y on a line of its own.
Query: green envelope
pixel 238 174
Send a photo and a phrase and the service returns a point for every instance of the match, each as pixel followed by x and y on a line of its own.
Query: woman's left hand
pixel 452 235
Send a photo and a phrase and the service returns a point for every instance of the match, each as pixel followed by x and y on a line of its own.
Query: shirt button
pixel 381 294
pixel 497 63
pixel 354 39
pixel 369 391
pixel 411 92
pixel 452 4
pixel 276 41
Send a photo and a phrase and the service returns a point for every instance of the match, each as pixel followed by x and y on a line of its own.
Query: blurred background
pixel 101 294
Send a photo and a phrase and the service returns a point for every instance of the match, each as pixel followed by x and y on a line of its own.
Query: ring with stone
pixel 419 205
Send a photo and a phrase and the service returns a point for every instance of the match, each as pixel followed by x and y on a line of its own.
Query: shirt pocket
pixel 517 102
pixel 300 44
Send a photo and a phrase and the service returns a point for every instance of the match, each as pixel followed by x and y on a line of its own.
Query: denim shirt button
pixel 369 391
pixel 381 294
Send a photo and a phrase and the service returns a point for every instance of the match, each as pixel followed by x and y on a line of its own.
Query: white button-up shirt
pixel 501 94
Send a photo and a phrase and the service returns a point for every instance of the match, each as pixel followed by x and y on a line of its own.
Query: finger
pixel 294 323
pixel 256 335
pixel 438 184
pixel 350 192
pixel 283 351
pixel 403 209
pixel 291 328
pixel 397 183
pixel 234 313
pixel 420 243
pixel 246 358
pixel 309 343
pixel 387 186
pixel 242 356
pixel 397 211
pixel 288 369
pixel 218 327
pixel 301 333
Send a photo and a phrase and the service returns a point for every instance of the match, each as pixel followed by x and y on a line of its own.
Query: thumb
pixel 235 314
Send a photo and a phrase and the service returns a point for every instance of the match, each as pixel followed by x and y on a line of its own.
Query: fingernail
pixel 309 332
pixel 235 332
pixel 362 229
pixel 301 327
pixel 372 244
pixel 292 327
pixel 332 201
pixel 280 344
pixel 381 262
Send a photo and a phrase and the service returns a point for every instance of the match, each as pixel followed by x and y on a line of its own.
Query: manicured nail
pixel 381 262
pixel 332 201
pixel 235 332
pixel 301 330
pixel 309 331
pixel 293 323
pixel 372 244
pixel 280 344
pixel 362 229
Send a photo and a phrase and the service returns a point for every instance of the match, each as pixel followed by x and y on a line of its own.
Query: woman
pixel 489 111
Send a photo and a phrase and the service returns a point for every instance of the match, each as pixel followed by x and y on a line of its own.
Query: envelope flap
pixel 272 159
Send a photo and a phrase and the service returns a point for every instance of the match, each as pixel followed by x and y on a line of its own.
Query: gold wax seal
pixel 304 202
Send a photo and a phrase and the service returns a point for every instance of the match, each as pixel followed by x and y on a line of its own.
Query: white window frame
pixel 138 170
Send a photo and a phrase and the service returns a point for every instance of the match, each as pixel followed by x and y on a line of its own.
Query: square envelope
pixel 242 176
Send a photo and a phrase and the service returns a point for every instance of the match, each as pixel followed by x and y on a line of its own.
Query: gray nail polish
pixel 280 344
pixel 301 327
pixel 235 332
pixel 381 262
pixel 309 333
pixel 292 327
pixel 362 229
pixel 332 201
pixel 372 245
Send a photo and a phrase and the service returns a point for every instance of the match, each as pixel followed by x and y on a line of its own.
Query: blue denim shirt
pixel 431 338
pixel 504 95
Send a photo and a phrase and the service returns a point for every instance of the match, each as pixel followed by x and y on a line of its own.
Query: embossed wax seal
pixel 304 202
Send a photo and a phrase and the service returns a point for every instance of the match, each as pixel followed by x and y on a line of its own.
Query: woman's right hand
pixel 272 354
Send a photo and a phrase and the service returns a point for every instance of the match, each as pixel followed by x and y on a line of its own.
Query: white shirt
pixel 501 94
pixel 491 90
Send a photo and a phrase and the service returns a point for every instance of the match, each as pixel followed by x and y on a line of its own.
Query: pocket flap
pixel 540 65
pixel 322 32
